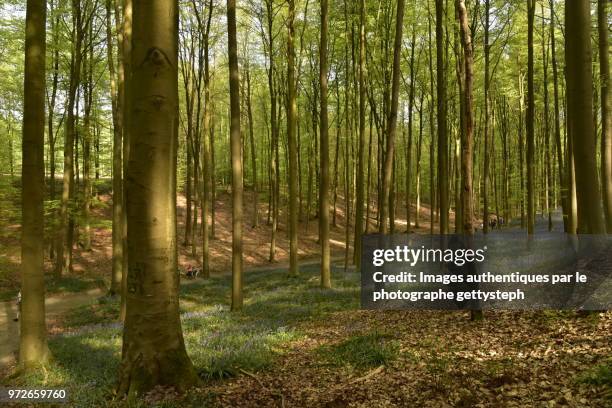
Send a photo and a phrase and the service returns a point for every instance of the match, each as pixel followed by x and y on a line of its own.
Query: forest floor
pixel 296 345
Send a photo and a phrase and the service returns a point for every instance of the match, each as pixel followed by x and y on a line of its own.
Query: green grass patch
pixel 107 309
pixel 362 351
pixel 598 375
pixel 72 284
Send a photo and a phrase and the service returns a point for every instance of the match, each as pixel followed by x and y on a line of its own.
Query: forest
pixel 185 186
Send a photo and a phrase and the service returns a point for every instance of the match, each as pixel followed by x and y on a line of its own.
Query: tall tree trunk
pixel 337 153
pixel 580 112
pixel 324 153
pixel 292 146
pixel 467 143
pixel 432 144
pixel 410 123
pixel 392 119
pixel 418 164
pixel 188 187
pixel 359 193
pixel 441 109
pixel 606 116
pixel 275 171
pixel 236 148
pixel 55 21
pixel 153 347
pixel 33 348
pixel 63 261
pixel 252 144
pixel 206 150
pixel 87 139
pixel 557 119
pixel 549 183
pixel 529 121
pixel 487 103
pixel 126 58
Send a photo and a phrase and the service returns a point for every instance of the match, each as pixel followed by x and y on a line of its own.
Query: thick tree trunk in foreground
pixel 324 153
pixel 33 341
pixel 580 112
pixel 153 347
pixel 606 117
pixel 235 144
pixel 392 120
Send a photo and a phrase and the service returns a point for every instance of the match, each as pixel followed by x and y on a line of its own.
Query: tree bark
pixel 529 121
pixel 236 148
pixel 392 119
pixel 486 158
pixel 580 112
pixel 33 348
pixel 292 143
pixel 557 119
pixel 441 109
pixel 606 116
pixel 153 347
pixel 359 193
pixel 324 153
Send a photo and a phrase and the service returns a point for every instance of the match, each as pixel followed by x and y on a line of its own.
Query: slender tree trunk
pixel 418 164
pixel 52 101
pixel 87 138
pixel 441 109
pixel 529 121
pixel 359 193
pixel 253 155
pixel 51 112
pixel 153 347
pixel 324 153
pixel 557 119
pixel 336 154
pixel 33 348
pixel 392 119
pixel 63 261
pixel 236 147
pixel 206 150
pixel 188 187
pixel 292 146
pixel 410 126
pixel 580 111
pixel 487 103
pixel 549 183
pixel 467 143
pixel 274 171
pixel 432 144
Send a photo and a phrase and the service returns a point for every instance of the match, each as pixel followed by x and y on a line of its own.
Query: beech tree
pixel 578 56
pixel 236 147
pixel 33 348
pixel 153 347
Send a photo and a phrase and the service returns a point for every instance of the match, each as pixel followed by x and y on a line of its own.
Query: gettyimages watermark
pixel 509 270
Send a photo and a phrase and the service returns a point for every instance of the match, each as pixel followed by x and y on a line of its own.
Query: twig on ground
pixel 369 375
